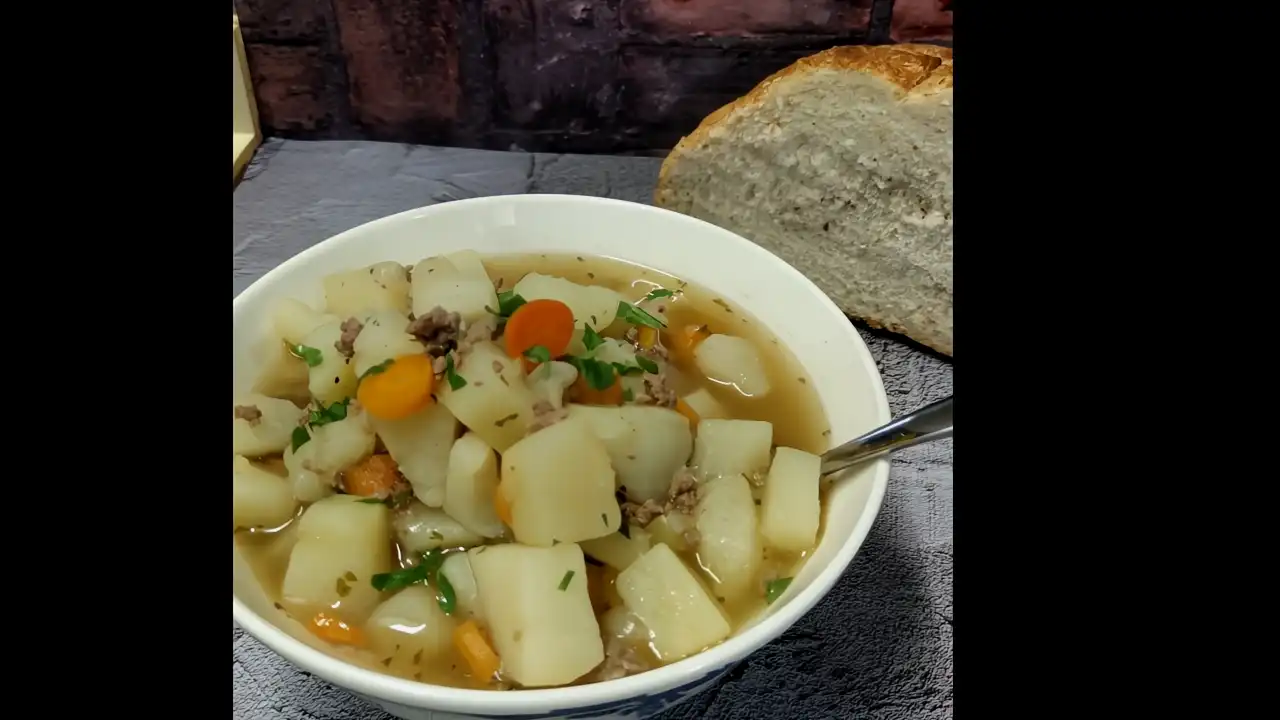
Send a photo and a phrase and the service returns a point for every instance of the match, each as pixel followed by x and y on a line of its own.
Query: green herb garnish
pixel 309 355
pixel 647 365
pixel 403 578
pixel 373 501
pixel 627 395
pixel 445 595
pixel 774 589
pixel 538 354
pixel 377 369
pixel 300 437
pixel 628 369
pixel 508 302
pixel 659 293
pixel 325 415
pixel 590 338
pixel 599 375
pixel 634 315
pixel 456 381
pixel 564 582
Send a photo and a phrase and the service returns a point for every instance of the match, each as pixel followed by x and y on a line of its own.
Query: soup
pixel 523 471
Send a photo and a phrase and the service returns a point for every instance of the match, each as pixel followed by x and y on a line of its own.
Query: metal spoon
pixel 929 423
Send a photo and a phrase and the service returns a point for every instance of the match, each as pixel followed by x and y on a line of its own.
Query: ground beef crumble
pixel 682 497
pixel 438 330
pixel 477 332
pixel 346 345
pixel 620 660
pixel 251 413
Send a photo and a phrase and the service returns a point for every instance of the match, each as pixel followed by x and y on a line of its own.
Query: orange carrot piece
pixel 373 476
pixel 647 337
pixel 690 414
pixel 331 629
pixel 501 506
pixel 401 390
pixel 683 341
pixel 545 322
pixel 473 648
pixel 581 392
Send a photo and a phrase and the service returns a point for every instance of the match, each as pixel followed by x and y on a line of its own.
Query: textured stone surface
pixel 879 646
pixel 291 88
pixel 675 19
pixel 921 20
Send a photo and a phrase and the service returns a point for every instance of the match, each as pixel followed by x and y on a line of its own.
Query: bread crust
pixel 916 70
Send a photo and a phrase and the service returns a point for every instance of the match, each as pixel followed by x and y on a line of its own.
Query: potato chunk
pixel 791 509
pixel 646 445
pixel 539 612
pixel 382 286
pixel 733 361
pixel 661 590
pixel 560 486
pixel 472 481
pixel 617 550
pixel 259 498
pixel 342 544
pixel 420 528
pixel 270 429
pixel 383 338
pixel 333 378
pixel 420 445
pixel 454 285
pixel 411 630
pixel 732 447
pixel 495 403
pixel 730 549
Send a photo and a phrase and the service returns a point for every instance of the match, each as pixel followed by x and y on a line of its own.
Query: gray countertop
pixel 879 646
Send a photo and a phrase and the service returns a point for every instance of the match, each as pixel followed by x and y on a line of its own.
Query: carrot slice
pixel 331 629
pixel 545 322
pixel 682 342
pixel 690 414
pixel 581 392
pixel 401 390
pixel 647 337
pixel 373 476
pixel 473 648
pixel 501 506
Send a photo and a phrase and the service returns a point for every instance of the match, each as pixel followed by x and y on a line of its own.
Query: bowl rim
pixel 381 687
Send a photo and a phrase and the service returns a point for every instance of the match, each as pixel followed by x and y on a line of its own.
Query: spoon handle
pixel 929 423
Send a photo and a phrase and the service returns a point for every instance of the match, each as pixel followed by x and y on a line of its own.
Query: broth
pixel 792 408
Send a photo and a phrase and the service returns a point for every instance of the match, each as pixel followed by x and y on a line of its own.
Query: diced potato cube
pixel 646 445
pixel 294 320
pixel 560 486
pixel 597 306
pixel 539 613
pixel 667 597
pixel 706 405
pixel 420 445
pixel 269 433
pixel 282 375
pixel 383 338
pixel 730 549
pixel 333 379
pixel 411 630
pixel 420 528
pixel 259 498
pixel 342 544
pixel 617 550
pixel 732 447
pixel 472 481
pixel 382 286
pixel 671 529
pixel 791 509
pixel 733 361
pixel 457 568
pixel 440 282
pixel 495 403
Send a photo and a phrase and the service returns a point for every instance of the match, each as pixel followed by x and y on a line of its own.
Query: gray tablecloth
pixel 879 646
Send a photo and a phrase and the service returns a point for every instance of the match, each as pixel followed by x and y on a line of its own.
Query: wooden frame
pixel 245 133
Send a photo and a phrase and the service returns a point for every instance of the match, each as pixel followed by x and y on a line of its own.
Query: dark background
pixel 592 76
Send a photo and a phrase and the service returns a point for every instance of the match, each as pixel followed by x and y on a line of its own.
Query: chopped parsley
pixel 590 338
pixel 628 369
pixel 634 315
pixel 659 293
pixel 373 501
pixel 647 365
pixel 456 381
pixel 564 582
pixel 538 354
pixel 598 374
pixel 325 415
pixel 774 589
pixel 309 355
pixel 427 571
pixel 378 369
pixel 508 303
pixel 300 437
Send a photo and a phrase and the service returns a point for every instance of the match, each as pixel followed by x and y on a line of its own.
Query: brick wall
pixel 550 75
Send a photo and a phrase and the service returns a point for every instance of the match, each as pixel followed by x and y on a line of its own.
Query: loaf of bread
pixel 841 165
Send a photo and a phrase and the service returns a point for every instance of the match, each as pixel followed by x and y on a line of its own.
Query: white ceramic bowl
pixel 775 293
